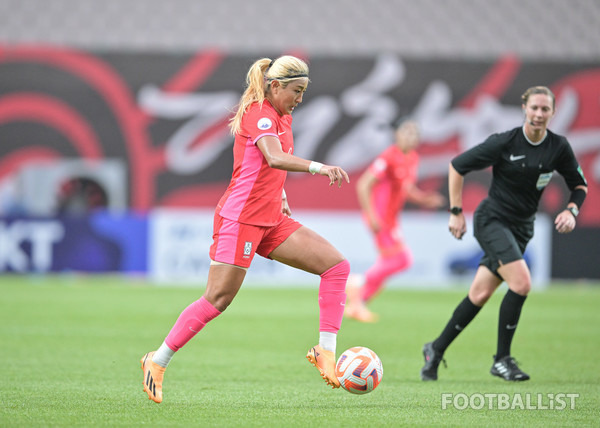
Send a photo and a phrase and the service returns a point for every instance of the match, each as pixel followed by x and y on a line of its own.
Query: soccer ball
pixel 359 370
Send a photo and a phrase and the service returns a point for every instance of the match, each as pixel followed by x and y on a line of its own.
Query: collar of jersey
pixel 531 142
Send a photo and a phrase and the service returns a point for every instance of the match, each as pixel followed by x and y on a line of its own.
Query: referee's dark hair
pixel 538 90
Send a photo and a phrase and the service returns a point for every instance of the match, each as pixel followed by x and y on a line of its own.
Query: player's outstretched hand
pixel 457 225
pixel 564 222
pixel 285 207
pixel 335 174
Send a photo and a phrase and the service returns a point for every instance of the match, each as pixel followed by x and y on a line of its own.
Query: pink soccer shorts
pixel 236 243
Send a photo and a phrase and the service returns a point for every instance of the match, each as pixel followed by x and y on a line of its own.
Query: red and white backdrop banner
pixel 166 116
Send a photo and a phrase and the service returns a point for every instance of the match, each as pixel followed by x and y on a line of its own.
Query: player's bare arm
pixel 457 224
pixel 364 189
pixel 422 198
pixel 277 158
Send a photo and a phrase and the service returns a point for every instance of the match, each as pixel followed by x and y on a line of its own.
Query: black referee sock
pixel 462 316
pixel 510 311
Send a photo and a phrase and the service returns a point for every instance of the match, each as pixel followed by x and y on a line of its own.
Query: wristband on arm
pixel 577 197
pixel 314 167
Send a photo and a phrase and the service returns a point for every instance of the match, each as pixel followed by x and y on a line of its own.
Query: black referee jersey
pixel 521 170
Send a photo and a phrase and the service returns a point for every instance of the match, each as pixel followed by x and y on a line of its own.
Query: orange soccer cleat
pixel 360 312
pixel 355 307
pixel 324 361
pixel 153 377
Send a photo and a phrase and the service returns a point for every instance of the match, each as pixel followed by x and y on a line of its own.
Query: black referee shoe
pixel 433 359
pixel 507 369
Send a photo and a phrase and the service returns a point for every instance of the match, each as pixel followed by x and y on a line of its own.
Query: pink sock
pixel 383 268
pixel 332 297
pixel 191 321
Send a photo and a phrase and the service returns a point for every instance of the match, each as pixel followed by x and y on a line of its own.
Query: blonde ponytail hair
pixel 258 82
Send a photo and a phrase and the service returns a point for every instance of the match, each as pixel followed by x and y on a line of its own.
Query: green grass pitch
pixel 70 350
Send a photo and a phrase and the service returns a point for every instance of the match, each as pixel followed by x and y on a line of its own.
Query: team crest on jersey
pixel 264 123
pixel 543 180
pixel 247 248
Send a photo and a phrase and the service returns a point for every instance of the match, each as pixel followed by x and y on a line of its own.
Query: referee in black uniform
pixel 523 161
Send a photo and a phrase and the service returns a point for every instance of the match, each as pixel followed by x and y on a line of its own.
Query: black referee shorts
pixel 502 241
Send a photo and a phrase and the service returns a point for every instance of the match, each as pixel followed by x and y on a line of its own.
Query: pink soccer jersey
pixel 394 170
pixel 254 192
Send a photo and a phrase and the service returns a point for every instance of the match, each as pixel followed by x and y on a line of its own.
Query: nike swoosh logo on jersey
pixel 514 158
pixel 281 133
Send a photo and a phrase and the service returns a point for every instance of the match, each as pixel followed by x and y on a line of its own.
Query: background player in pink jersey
pixel 382 190
pixel 253 217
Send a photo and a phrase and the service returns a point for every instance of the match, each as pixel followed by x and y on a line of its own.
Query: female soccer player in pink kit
pixel 253 217
pixel 382 191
